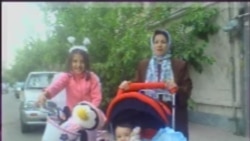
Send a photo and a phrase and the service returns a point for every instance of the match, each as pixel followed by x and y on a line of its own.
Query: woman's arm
pixel 57 85
pixel 139 74
pixel 141 71
pixel 95 90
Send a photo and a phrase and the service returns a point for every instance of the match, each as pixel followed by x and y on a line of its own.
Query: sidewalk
pixel 199 132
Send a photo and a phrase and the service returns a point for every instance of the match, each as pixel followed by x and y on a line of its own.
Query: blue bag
pixel 168 134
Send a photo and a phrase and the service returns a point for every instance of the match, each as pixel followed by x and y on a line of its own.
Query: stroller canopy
pixel 138 110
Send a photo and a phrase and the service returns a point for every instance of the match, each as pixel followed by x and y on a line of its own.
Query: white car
pixel 30 114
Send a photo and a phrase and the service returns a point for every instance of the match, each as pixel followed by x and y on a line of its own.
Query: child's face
pixel 122 133
pixel 77 64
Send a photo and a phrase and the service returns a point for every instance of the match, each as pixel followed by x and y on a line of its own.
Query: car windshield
pixel 41 80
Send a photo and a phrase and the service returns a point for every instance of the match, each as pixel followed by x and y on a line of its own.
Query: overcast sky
pixel 20 20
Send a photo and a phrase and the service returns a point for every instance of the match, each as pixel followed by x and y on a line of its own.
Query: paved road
pixel 10 122
pixel 208 133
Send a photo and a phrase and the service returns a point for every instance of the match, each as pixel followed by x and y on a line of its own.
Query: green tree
pixel 119 38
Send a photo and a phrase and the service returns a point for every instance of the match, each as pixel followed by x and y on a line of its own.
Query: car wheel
pixel 24 128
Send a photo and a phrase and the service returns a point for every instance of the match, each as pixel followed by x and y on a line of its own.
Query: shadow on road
pixel 36 130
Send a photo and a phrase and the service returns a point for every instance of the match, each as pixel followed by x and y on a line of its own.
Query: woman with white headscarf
pixel 161 67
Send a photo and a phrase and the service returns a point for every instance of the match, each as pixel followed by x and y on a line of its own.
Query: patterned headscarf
pixel 165 61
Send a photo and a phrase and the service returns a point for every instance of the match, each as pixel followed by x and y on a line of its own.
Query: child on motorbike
pixel 80 83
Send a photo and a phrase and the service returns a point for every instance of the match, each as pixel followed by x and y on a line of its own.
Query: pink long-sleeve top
pixel 77 89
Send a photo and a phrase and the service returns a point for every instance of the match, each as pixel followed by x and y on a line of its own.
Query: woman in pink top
pixel 80 83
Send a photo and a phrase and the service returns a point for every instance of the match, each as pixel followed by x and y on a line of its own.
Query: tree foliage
pixel 119 38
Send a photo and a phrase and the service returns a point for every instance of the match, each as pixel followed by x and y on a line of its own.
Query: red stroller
pixel 142 110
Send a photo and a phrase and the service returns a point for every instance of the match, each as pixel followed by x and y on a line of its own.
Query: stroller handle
pixel 148 85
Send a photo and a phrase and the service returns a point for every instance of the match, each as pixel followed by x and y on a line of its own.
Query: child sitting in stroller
pixel 137 109
pixel 123 132
pixel 126 132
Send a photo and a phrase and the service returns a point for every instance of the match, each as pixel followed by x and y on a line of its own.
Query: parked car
pixel 18 88
pixel 30 114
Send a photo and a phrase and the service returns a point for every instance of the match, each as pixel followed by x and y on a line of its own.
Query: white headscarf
pixel 165 61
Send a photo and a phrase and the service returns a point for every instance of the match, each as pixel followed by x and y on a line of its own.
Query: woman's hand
pixel 41 99
pixel 124 85
pixel 171 85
